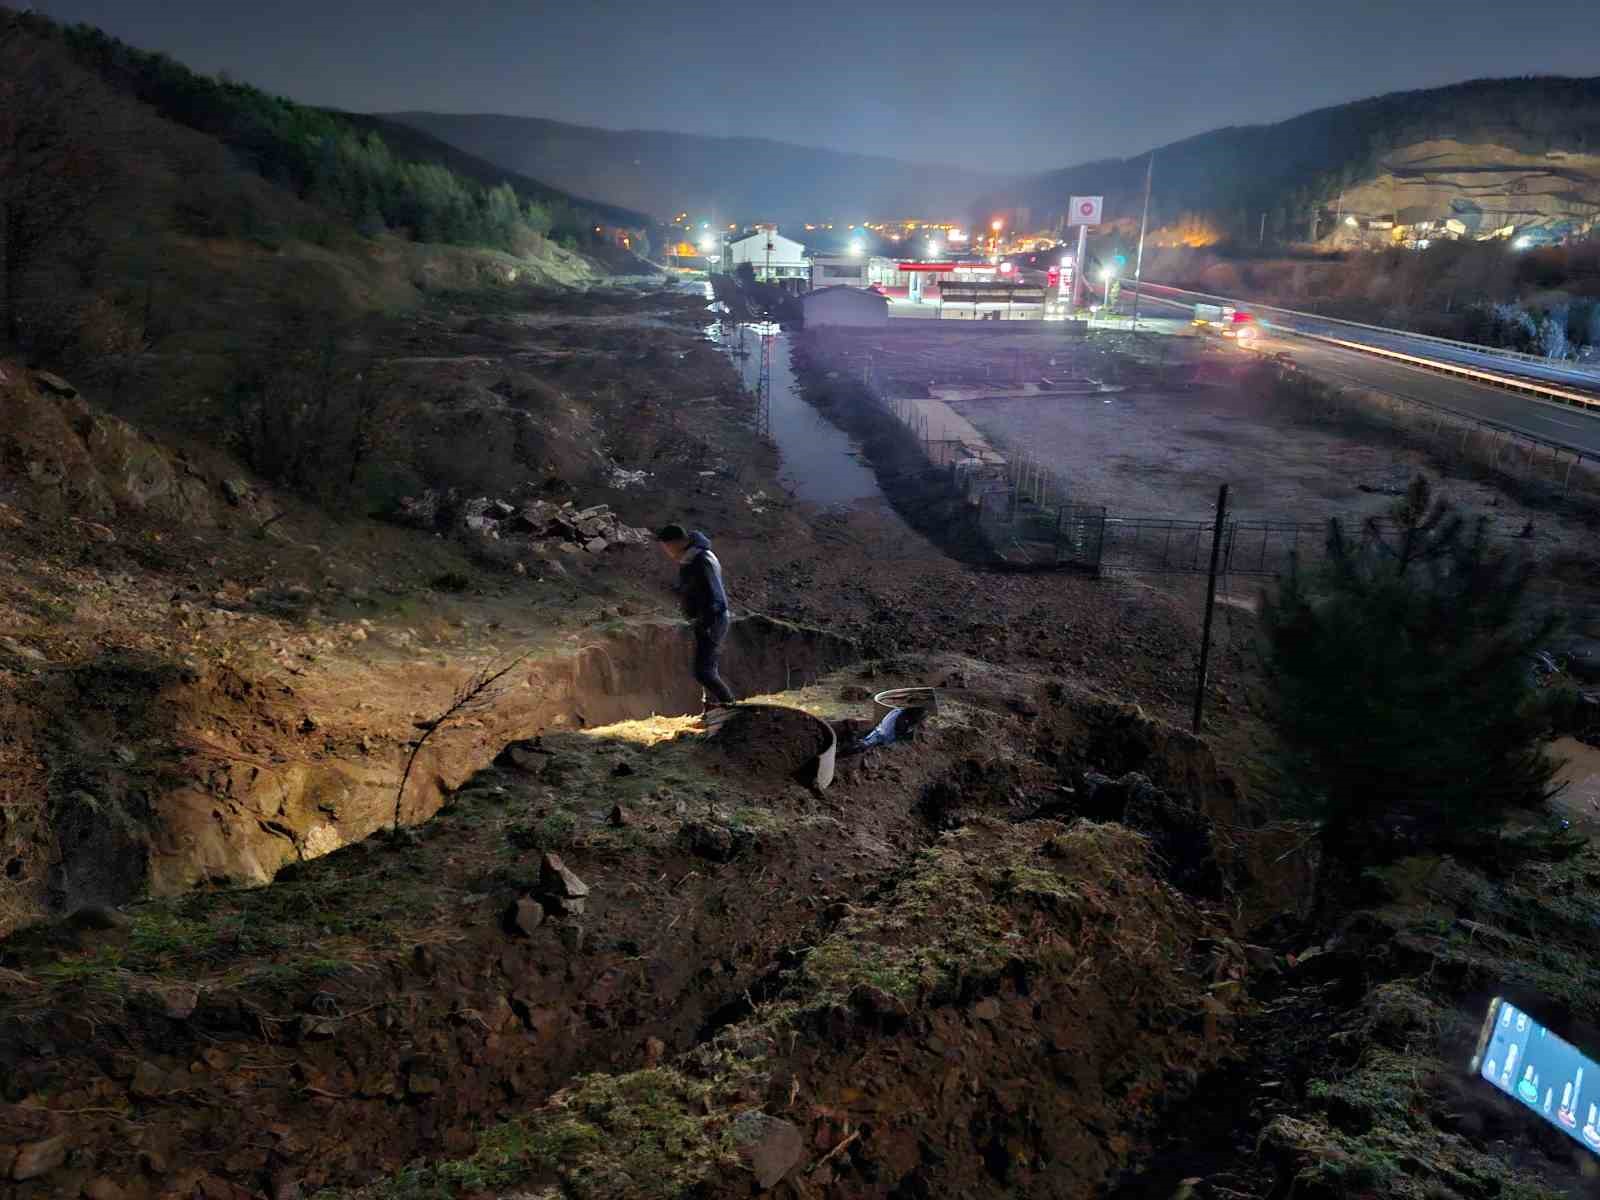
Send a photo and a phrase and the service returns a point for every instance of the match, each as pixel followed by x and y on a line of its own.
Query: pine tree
pixel 1400 683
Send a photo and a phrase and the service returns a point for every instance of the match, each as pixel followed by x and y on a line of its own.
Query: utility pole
pixel 1211 605
pixel 1138 261
pixel 1077 269
pixel 1261 238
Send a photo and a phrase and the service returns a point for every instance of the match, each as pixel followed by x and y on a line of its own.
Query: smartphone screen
pixel 1541 1071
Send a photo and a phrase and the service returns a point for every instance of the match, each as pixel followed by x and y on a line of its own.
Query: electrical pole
pixel 1138 261
pixel 1211 604
pixel 1261 238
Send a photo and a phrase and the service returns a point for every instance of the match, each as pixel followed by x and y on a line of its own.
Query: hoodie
pixel 700 582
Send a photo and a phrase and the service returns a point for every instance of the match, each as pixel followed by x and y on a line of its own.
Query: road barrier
pixel 1519 383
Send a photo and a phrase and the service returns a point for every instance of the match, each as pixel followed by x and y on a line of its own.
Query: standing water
pixel 820 462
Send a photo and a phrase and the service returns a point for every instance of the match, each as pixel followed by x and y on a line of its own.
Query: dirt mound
pixel 71 459
pixel 1116 738
pixel 765 740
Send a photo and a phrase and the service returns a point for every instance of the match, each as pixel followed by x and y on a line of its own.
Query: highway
pixel 1581 379
pixel 1570 427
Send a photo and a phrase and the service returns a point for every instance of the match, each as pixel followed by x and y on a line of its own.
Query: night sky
pixel 1016 86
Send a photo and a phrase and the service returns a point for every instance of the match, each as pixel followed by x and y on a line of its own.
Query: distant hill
pixel 409 141
pixel 739 178
pixel 1490 152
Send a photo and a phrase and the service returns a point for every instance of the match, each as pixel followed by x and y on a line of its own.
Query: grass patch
pixel 1377 1128
pixel 556 830
pixel 991 893
pixel 647 1135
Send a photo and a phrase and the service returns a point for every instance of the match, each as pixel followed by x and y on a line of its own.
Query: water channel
pixel 821 463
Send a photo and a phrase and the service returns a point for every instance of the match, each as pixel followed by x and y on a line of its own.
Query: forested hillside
pixel 378 176
pixel 1524 130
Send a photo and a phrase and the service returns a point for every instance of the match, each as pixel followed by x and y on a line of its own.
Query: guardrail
pixel 1473 347
pixel 1522 383
pixel 1511 382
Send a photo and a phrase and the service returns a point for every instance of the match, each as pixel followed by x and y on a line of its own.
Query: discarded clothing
pixel 898 724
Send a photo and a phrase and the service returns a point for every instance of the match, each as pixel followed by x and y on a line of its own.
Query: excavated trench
pixel 432 983
pixel 228 779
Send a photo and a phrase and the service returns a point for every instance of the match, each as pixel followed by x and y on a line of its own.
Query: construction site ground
pixel 1024 953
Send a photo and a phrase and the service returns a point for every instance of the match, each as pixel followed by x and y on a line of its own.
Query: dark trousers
pixel 707 650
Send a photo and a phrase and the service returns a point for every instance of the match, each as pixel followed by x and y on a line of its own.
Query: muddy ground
pixel 1028 953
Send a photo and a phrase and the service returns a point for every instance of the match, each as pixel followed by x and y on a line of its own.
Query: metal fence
pixel 1162 545
pixel 1029 519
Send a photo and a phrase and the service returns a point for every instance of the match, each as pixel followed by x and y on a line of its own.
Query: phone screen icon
pixel 1543 1072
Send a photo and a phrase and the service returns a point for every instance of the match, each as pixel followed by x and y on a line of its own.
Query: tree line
pixel 321 157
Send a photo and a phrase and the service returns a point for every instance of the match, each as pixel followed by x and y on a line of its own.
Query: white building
pixel 844 306
pixel 840 270
pixel 773 257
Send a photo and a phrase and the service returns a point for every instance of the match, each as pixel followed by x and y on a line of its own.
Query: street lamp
pixel 933 248
pixel 1107 274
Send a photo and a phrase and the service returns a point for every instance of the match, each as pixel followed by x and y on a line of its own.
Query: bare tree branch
pixel 478 693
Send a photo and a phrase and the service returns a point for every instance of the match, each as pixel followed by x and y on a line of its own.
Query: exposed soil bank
pixel 231 777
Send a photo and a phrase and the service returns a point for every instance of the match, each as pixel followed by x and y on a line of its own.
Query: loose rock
pixel 179 1001
pixel 771 1147
pixel 39 1158
pixel 54 384
pixel 21 650
pixel 556 879
pixel 523 917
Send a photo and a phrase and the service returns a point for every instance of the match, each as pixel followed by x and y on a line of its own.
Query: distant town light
pixel 707 245
pixel 997 224
pixel 933 247
pixel 1066 260
pixel 855 248
pixel 1006 268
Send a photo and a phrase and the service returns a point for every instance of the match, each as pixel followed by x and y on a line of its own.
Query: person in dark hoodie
pixel 705 602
